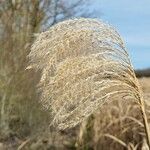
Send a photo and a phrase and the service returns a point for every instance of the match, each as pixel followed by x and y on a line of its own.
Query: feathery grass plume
pixel 84 64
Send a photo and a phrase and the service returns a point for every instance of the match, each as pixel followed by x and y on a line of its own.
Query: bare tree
pixel 19 21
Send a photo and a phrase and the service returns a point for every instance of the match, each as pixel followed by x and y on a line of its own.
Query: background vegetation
pixel 23 123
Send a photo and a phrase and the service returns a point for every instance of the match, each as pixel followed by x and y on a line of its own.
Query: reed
pixel 84 64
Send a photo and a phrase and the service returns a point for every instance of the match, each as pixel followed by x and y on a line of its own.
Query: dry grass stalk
pixel 84 63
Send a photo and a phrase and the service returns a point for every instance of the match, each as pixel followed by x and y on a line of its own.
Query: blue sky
pixel 132 19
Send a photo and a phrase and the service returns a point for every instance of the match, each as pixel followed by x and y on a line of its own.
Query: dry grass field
pixel 116 126
pixel 95 74
pixel 91 97
pixel 67 81
pixel 119 124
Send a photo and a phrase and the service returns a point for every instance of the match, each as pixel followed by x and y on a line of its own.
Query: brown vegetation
pixel 84 65
pixel 23 123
